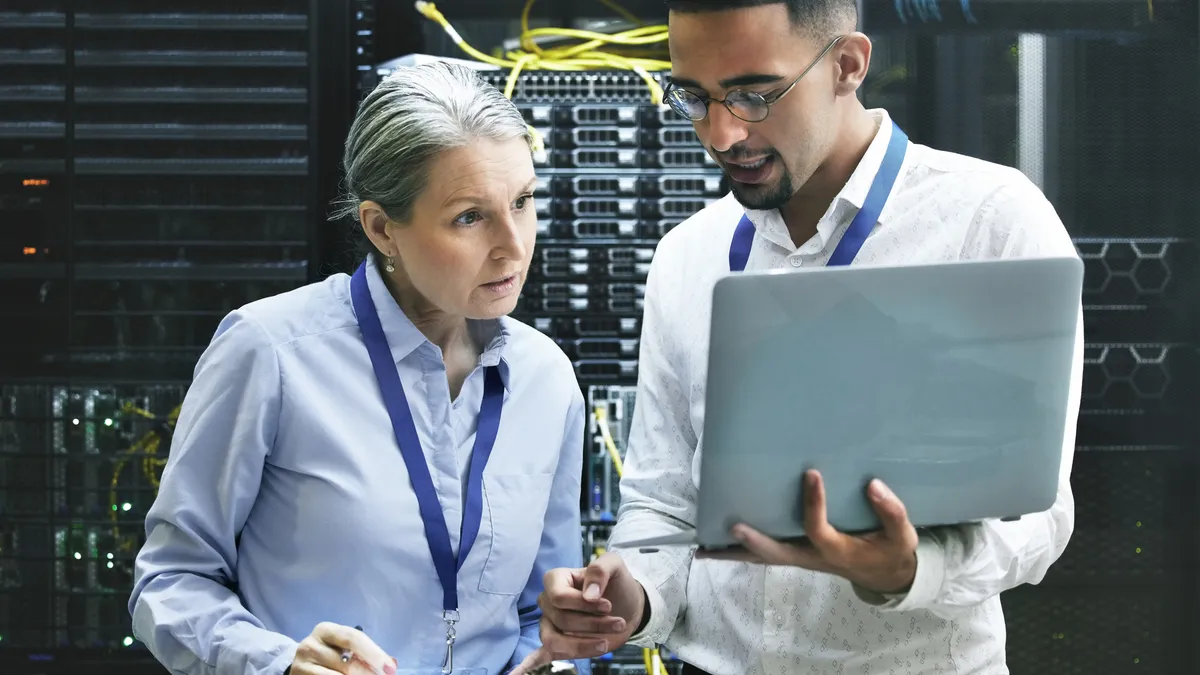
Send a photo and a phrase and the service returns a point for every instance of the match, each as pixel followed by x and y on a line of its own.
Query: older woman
pixel 384 456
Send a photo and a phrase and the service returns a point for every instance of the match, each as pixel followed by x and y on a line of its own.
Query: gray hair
pixel 411 117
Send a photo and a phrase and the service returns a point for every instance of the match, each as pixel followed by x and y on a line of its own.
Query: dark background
pixel 163 162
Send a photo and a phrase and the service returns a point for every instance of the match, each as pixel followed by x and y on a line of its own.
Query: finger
pixel 564 591
pixel 824 537
pixel 892 514
pixel 731 554
pixel 598 575
pixel 314 657
pixel 361 647
pixel 308 668
pixel 560 646
pixel 554 605
pixel 586 624
pixel 763 547
pixel 536 659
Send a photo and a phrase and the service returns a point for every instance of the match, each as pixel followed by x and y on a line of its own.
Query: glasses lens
pixel 747 105
pixel 686 104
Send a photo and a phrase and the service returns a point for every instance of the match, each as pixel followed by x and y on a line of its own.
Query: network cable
pixel 144 449
pixel 594 51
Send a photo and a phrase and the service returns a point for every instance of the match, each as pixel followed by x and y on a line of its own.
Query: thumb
pixel 892 514
pixel 536 659
pixel 599 573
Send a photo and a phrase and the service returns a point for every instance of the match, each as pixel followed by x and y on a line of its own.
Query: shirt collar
pixel 770 223
pixel 404 338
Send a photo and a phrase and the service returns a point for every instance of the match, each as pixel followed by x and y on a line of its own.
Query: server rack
pixel 158 160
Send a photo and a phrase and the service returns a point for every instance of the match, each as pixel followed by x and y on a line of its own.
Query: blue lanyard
pixel 436 532
pixel 864 221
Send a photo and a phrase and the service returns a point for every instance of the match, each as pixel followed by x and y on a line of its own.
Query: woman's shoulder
pixel 529 350
pixel 308 310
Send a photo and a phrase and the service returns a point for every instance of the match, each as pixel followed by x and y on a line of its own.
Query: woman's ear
pixel 375 225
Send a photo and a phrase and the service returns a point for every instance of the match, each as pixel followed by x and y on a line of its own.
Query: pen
pixel 346 653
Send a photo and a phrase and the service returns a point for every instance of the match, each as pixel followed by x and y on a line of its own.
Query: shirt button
pixel 796 262
pixel 779 618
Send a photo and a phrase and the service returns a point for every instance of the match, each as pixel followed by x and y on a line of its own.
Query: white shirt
pixel 732 618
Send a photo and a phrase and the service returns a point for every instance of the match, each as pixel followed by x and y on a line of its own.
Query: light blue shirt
pixel 285 501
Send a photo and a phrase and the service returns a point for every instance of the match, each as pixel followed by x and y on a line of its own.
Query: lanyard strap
pixel 864 221
pixel 436 532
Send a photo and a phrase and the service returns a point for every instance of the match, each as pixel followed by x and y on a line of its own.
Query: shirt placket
pixel 777 630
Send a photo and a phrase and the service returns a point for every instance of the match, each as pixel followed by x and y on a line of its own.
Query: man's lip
pixel 744 163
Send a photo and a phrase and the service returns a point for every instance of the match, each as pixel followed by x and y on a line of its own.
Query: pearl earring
pixel 390 264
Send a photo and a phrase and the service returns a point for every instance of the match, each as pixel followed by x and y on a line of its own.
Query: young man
pixel 771 88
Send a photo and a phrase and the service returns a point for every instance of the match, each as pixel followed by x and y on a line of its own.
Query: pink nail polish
pixel 389 668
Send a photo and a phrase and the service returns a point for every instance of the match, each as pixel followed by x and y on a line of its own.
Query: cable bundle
pixel 632 49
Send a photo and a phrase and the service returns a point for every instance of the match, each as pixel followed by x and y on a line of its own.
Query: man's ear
pixel 853 57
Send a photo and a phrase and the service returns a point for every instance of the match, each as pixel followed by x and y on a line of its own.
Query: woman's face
pixel 465 250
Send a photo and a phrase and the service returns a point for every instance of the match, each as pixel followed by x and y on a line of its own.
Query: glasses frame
pixel 680 95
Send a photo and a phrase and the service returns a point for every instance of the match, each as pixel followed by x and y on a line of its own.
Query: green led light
pixel 110 565
pixel 108 421
pixel 126 506
pixel 114 507
pixel 127 641
pixel 110 556
pixel 78 555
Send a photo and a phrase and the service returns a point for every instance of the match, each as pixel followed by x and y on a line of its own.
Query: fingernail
pixel 592 592
pixel 739 534
pixel 601 648
pixel 619 625
pixel 395 662
pixel 882 492
pixel 389 669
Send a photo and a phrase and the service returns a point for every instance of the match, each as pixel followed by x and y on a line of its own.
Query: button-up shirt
pixel 731 618
pixel 285 501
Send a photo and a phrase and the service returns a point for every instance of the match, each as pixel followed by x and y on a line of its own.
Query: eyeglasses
pixel 747 106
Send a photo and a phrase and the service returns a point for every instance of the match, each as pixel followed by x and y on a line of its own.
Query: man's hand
pixel 586 612
pixel 884 561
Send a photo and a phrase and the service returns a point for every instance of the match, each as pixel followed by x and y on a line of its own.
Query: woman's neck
pixel 449 332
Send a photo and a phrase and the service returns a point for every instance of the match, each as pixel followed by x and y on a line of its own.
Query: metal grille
pixel 159 154
pixel 1081 632
pixel 78 469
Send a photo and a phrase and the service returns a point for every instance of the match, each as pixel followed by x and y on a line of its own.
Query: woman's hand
pixel 332 648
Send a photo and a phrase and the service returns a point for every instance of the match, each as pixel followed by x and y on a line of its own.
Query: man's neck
pixel 804 210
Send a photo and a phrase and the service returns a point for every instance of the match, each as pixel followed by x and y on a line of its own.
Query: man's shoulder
pixel 968 175
pixel 1003 212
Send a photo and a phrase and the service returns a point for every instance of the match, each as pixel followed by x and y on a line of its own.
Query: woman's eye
pixel 522 202
pixel 468 218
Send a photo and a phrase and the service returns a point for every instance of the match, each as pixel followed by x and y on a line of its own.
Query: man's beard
pixel 762 197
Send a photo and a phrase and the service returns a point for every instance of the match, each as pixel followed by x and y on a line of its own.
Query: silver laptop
pixel 947 381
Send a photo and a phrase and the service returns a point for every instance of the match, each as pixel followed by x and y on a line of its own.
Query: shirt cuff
pixel 926 585
pixel 656 630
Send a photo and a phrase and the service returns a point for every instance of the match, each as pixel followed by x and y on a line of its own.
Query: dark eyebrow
pixel 746 80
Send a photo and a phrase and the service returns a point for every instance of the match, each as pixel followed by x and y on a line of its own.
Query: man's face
pixel 757 50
